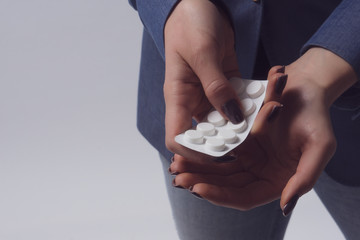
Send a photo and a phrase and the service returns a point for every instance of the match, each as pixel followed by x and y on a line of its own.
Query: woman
pixel 196 46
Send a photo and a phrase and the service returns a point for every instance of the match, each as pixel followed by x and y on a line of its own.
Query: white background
pixel 72 164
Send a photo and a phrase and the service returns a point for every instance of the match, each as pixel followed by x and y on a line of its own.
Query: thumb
pixel 309 169
pixel 217 88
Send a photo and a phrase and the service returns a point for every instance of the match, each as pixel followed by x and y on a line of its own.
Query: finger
pixel 179 111
pixel 311 165
pixel 177 120
pixel 266 116
pixel 275 88
pixel 181 165
pixel 239 179
pixel 217 88
pixel 276 69
pixel 276 83
pixel 244 198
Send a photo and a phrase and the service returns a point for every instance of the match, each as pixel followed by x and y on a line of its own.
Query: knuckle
pixel 202 52
pixel 274 77
pixel 182 179
pixel 178 166
pixel 327 142
pixel 216 87
pixel 331 144
pixel 275 68
pixel 170 144
pixel 203 46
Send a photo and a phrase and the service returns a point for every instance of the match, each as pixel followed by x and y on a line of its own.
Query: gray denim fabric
pixel 197 219
pixel 342 202
pixel 344 167
pixel 349 100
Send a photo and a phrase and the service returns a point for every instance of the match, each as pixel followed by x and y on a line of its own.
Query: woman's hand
pixel 200 57
pixel 289 145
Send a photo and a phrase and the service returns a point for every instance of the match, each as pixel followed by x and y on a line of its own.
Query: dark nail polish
pixel 281 70
pixel 177 186
pixel 290 205
pixel 225 159
pixel 280 84
pixel 274 112
pixel 172 159
pixel 232 111
pixel 196 195
pixel 172 173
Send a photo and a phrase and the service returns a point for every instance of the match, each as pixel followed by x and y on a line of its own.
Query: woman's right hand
pixel 200 57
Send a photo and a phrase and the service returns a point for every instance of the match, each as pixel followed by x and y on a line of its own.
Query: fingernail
pixel 194 193
pixel 177 186
pixel 232 111
pixel 274 112
pixel 290 205
pixel 225 159
pixel 280 84
pixel 172 159
pixel 171 172
pixel 281 70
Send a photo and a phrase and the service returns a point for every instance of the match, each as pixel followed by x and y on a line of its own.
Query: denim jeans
pixel 197 219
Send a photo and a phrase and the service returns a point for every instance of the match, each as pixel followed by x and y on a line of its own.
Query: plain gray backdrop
pixel 72 164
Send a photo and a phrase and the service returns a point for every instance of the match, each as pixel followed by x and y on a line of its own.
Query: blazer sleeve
pixel 133 3
pixel 153 14
pixel 340 33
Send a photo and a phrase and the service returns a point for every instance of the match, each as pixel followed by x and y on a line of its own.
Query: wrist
pixel 328 72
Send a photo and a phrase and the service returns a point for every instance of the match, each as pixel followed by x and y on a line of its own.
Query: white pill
pixel 216 119
pixel 238 84
pixel 206 128
pixel 255 89
pixel 215 144
pixel 228 135
pixel 193 136
pixel 248 106
pixel 239 128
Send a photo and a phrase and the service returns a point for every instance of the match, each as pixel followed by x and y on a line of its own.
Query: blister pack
pixel 215 136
